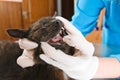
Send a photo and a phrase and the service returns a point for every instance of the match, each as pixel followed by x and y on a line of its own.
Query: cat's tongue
pixel 56 39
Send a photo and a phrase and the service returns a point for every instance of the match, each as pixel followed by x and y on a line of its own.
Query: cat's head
pixel 47 29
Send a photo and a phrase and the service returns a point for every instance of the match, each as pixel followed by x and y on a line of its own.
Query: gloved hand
pixel 76 39
pixel 26 59
pixel 76 67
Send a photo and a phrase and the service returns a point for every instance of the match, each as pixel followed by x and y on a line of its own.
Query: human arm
pixel 105 68
pixel 82 67
pixel 86 14
pixel 77 67
pixel 106 65
pixel 108 68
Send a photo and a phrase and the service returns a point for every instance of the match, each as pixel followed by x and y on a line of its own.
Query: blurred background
pixel 21 13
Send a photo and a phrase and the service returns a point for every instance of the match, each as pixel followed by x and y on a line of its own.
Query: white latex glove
pixel 76 39
pixel 79 67
pixel 26 59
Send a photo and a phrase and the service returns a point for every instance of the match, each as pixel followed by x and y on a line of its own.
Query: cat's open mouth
pixel 59 37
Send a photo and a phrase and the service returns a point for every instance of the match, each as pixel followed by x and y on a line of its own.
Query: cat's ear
pixel 55 14
pixel 17 33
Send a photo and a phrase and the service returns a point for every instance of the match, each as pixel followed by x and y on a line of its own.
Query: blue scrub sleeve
pixel 86 14
pixel 116 56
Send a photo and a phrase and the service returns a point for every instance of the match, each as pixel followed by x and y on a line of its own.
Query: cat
pixel 46 29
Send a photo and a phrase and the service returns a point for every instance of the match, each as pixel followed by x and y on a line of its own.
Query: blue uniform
pixel 85 19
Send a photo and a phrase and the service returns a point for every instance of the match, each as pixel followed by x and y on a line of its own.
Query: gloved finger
pixel 74 41
pixel 48 50
pixel 68 65
pixel 51 61
pixel 27 44
pixel 68 25
pixel 28 54
pixel 57 55
pixel 67 39
pixel 24 61
pixel 79 43
pixel 71 29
